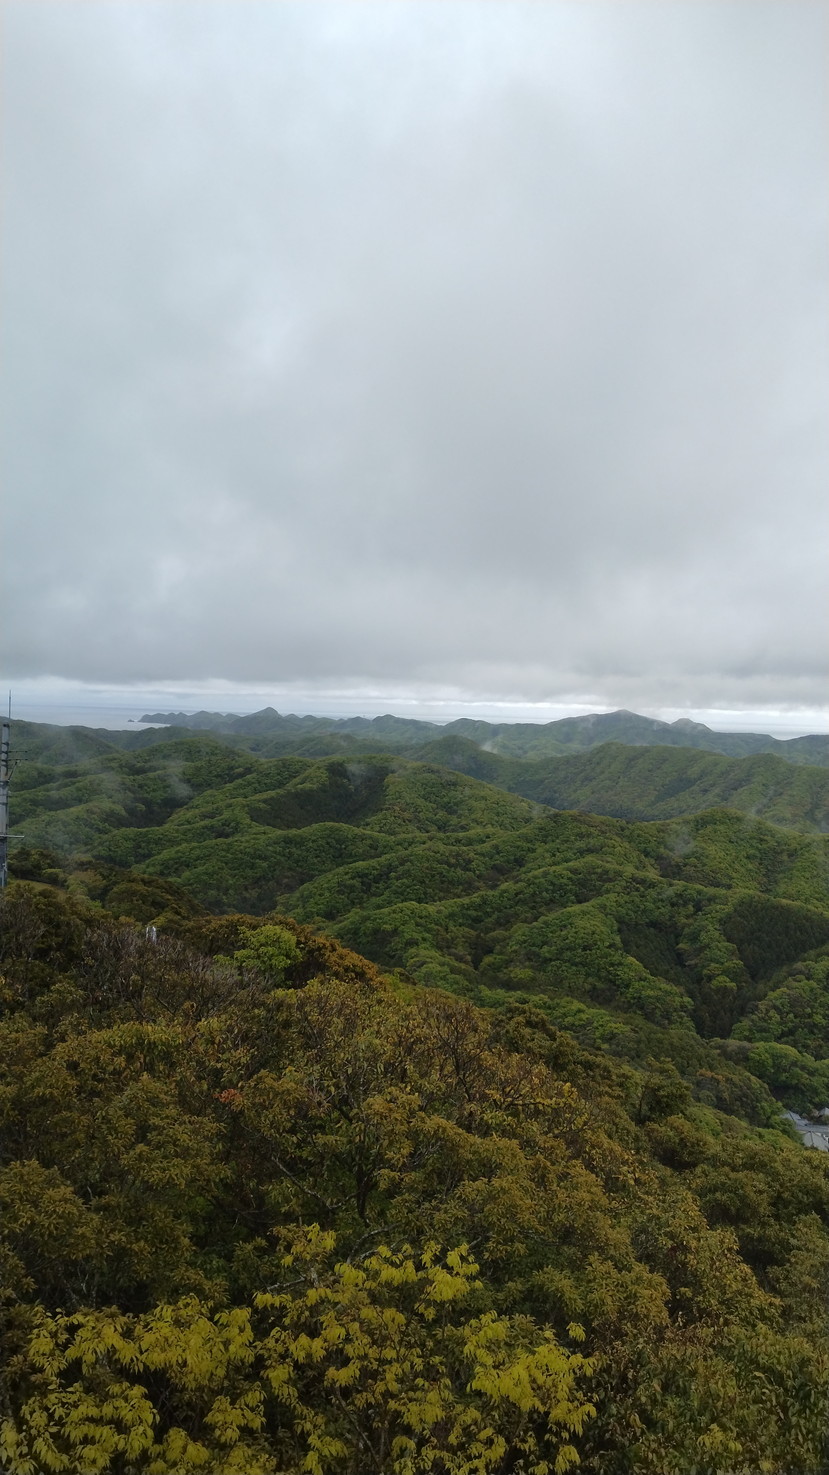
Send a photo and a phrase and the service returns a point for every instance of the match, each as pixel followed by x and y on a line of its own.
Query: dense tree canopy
pixel 662 937
pixel 360 1115
pixel 347 1224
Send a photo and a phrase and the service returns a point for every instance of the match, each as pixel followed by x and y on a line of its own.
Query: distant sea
pixel 126 716
pixel 115 718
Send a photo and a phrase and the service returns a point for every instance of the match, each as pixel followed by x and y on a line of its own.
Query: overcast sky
pixel 418 348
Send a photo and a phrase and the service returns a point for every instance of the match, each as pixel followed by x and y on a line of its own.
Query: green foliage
pixel 662 1092
pixel 795 1013
pixel 223 1206
pixel 270 950
pixel 796 1079
pixel 770 933
pixel 379 1362
pixel 663 783
pixel 261 1209
pixel 648 939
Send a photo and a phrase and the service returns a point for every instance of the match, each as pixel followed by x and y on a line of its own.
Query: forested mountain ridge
pixel 267 1210
pixel 651 783
pixel 514 739
pixel 658 938
pixel 571 735
pixel 59 765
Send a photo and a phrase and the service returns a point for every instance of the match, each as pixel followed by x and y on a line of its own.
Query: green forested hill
pixel 628 782
pixel 361 1114
pixel 652 782
pixel 270 732
pixel 644 938
pixel 267 1211
pixel 513 739
pixel 62 770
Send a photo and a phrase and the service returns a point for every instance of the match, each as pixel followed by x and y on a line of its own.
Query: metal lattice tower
pixel 4 803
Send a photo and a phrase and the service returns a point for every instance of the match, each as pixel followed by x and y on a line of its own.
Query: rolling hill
pixel 651 783
pixel 642 937
pixel 513 739
pixel 410 1066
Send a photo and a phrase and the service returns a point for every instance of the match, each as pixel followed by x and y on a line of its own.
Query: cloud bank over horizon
pixel 471 347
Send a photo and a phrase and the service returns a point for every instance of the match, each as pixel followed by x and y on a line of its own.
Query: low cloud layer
pixel 477 345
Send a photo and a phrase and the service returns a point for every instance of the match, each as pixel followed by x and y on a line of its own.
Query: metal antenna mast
pixel 4 800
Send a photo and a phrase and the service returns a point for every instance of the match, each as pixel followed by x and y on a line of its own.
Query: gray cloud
pixel 474 344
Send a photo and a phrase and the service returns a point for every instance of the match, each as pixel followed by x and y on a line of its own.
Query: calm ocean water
pixel 114 718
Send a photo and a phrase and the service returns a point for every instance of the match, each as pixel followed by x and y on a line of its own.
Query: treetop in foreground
pixel 265 1209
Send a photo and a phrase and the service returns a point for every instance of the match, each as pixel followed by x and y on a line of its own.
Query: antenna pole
pixel 4 803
